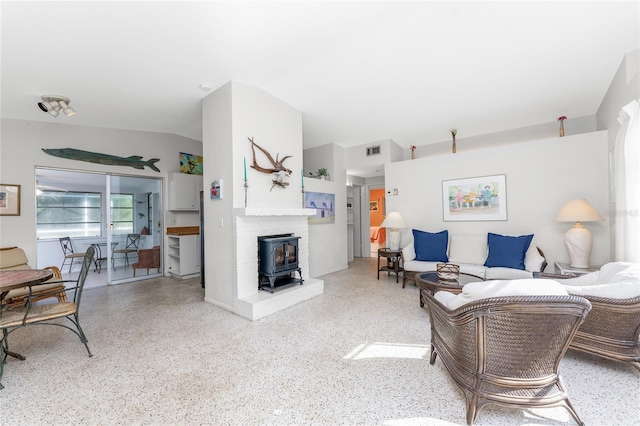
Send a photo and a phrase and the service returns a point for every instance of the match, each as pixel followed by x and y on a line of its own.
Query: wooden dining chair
pixel 48 314
pixel 68 252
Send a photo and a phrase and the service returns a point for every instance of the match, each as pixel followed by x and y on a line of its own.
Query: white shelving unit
pixel 349 205
pixel 184 255
pixel 350 218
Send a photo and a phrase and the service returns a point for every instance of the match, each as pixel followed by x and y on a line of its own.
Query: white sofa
pixel 471 252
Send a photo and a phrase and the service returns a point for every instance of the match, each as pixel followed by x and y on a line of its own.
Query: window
pixel 122 213
pixel 68 214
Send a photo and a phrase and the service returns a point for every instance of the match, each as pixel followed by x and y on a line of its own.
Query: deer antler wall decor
pixel 278 169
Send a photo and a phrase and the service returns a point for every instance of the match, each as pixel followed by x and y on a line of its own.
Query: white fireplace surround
pixel 248 225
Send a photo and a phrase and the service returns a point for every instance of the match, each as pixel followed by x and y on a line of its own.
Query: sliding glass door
pixel 135 227
pixel 121 216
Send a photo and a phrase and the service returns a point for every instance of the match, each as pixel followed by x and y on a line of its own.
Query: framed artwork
pixel 475 199
pixel 9 200
pixel 324 205
pixel 216 189
pixel 190 164
pixel 373 206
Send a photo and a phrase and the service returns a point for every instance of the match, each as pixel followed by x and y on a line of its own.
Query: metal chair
pixel 31 314
pixel 69 253
pixel 506 350
pixel 133 241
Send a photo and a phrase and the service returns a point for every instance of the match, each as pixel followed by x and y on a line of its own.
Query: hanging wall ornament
pixel 561 120
pixel 278 171
pixel 454 132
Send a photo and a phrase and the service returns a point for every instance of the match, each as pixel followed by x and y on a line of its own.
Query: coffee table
pixel 429 281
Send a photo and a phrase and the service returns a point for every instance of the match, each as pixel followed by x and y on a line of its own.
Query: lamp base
pixel 394 239
pixel 579 242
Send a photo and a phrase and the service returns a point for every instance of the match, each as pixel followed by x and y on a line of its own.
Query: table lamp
pixel 578 239
pixel 393 221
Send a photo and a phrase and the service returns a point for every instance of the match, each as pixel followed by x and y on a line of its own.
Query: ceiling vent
pixel 373 150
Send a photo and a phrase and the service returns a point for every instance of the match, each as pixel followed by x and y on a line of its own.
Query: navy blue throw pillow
pixel 431 247
pixel 506 251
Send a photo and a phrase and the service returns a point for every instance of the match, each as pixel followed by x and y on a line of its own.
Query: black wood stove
pixel 278 261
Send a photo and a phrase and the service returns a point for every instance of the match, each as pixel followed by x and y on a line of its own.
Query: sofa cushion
pixel 468 249
pixel 507 251
pixel 431 246
pixel 500 288
pixel 500 273
pixel 423 266
pixel 13 258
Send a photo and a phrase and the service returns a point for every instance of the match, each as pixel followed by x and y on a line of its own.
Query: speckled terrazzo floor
pixel 357 355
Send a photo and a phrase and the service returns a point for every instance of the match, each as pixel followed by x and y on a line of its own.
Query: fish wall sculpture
pixel 134 161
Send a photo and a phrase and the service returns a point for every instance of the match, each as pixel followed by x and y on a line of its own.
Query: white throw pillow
pixel 468 249
pixel 500 288
pixel 408 252
pixel 532 259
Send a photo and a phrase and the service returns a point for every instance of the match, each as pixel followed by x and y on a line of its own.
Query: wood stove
pixel 278 261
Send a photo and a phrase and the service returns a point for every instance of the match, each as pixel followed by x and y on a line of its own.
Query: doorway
pixel 104 210
pixel 377 209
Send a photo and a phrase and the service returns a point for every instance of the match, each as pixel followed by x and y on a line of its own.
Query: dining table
pixel 13 279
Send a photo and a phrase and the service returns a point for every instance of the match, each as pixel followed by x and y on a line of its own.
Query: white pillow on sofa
pixel 468 249
pixel 533 260
pixel 408 252
pixel 500 288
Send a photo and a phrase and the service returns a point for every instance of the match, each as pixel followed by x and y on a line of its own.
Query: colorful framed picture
pixel 324 205
pixel 475 199
pixel 216 189
pixel 373 206
pixel 9 200
pixel 190 164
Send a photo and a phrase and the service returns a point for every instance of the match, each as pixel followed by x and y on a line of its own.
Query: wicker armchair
pixel 506 350
pixel 612 328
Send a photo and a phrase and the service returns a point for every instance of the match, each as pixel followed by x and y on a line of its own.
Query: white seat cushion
pixel 500 288
pixel 615 280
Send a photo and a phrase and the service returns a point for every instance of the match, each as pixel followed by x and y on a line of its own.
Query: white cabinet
pixel 184 255
pixel 184 191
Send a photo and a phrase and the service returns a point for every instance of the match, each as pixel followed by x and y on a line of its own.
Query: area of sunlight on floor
pixel 388 350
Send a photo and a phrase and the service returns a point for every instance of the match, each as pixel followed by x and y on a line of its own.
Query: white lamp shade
pixel 393 221
pixel 578 211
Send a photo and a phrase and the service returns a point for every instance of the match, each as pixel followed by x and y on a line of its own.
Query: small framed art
pixel 9 200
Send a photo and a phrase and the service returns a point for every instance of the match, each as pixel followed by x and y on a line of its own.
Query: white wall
pixel 231 114
pixel 320 157
pixel 217 154
pixel 276 127
pixel 328 245
pixel 540 177
pixel 572 126
pixel 356 156
pixel 21 151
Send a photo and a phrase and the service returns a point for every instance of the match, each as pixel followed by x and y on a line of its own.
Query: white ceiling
pixel 359 71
